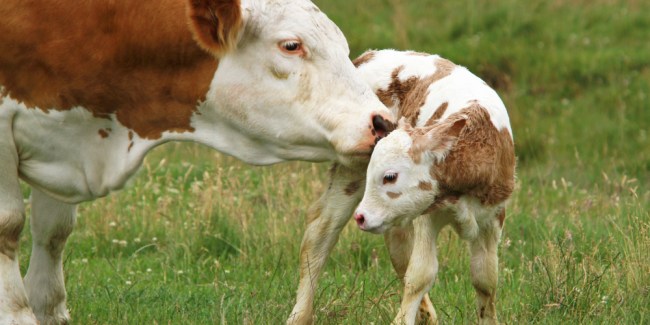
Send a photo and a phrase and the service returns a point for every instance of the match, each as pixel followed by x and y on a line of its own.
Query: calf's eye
pixel 390 178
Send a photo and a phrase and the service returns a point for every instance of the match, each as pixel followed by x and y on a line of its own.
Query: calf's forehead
pixel 392 149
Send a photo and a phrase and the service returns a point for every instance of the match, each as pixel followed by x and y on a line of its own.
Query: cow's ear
pixel 215 24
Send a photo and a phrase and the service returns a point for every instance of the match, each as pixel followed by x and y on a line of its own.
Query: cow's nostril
pixel 359 218
pixel 382 126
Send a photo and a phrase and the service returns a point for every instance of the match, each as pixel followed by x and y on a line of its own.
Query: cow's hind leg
pixel 485 267
pixel 14 307
pixel 326 219
pixel 51 224
pixel 399 241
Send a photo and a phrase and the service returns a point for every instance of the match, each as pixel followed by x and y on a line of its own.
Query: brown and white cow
pixel 450 162
pixel 87 88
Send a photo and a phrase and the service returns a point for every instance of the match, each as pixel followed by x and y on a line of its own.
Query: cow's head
pixel 285 82
pixel 400 182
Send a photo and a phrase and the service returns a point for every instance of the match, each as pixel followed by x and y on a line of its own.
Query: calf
pixel 88 88
pixel 450 162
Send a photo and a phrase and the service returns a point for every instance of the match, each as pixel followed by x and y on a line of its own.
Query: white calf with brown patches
pixel 87 88
pixel 450 162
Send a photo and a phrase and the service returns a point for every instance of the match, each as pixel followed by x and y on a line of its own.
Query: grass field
pixel 199 238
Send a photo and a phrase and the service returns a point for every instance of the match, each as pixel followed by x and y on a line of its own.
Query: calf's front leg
pixel 399 241
pixel 325 220
pixel 421 270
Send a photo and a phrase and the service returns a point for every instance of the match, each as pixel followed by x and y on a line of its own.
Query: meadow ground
pixel 199 238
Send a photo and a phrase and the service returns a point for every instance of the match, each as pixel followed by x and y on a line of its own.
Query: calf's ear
pixel 439 139
pixel 215 24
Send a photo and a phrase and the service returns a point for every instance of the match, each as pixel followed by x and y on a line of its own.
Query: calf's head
pixel 285 78
pixel 400 182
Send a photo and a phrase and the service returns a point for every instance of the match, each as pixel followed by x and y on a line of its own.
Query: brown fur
pixel 425 186
pixel 393 195
pixel 440 111
pixel 501 217
pixel 481 163
pixel 103 133
pixel 411 94
pixel 442 201
pixel 352 187
pixel 364 58
pixel 134 59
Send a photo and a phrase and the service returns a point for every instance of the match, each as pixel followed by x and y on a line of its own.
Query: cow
pixel 451 161
pixel 87 88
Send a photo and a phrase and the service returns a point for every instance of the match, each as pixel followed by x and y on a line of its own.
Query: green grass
pixel 199 238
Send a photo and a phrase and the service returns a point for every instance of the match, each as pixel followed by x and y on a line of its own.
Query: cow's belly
pixel 74 156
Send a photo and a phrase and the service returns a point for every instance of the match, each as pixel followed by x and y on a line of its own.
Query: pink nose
pixel 360 219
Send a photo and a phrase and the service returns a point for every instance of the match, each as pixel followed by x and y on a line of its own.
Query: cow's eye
pixel 390 178
pixel 291 46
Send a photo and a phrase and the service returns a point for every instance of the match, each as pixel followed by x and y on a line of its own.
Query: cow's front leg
pixel 14 307
pixel 52 222
pixel 399 241
pixel 421 270
pixel 326 219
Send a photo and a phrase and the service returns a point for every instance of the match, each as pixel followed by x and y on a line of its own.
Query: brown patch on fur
pixel 393 195
pixel 103 133
pixel 352 187
pixel 440 111
pixel 481 163
pixel 11 225
pixel 364 58
pixel 134 59
pixel 442 201
pixel 425 186
pixel 130 146
pixel 411 94
pixel 501 216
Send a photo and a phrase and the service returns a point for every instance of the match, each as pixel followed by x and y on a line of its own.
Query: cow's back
pixel 136 59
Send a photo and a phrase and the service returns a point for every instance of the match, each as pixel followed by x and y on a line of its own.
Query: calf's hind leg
pixel 485 268
pixel 52 222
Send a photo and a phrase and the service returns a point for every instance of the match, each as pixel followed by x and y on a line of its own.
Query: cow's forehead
pixel 300 17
